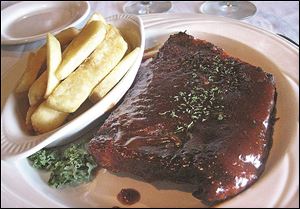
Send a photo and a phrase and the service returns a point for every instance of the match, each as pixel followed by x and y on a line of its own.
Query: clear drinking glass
pixel 233 9
pixel 147 7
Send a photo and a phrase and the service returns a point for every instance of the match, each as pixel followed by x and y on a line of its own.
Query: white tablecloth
pixel 278 17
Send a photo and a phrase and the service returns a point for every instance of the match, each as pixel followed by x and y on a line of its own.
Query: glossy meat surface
pixel 194 115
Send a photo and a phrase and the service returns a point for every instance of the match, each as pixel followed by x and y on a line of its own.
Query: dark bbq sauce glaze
pixel 128 196
pixel 195 115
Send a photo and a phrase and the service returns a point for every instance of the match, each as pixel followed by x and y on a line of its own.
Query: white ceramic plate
pixel 277 187
pixel 30 21
pixel 16 143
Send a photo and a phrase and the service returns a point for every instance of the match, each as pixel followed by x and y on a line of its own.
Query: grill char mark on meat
pixel 158 135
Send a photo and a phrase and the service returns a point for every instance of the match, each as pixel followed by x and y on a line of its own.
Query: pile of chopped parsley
pixel 204 102
pixel 69 165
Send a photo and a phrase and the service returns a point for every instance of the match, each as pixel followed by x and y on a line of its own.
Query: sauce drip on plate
pixel 128 196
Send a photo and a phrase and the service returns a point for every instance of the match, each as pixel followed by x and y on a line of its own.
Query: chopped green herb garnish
pixel 163 113
pixel 220 117
pixel 71 165
pixel 219 76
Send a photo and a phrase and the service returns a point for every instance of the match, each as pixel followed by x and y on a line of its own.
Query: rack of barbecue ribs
pixel 194 115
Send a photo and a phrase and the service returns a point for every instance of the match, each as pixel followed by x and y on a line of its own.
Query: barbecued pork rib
pixel 194 115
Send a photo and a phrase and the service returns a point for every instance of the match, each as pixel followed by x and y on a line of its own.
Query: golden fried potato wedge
pixel 66 36
pixel 72 92
pixel 53 61
pixel 81 47
pixel 36 60
pixel 46 119
pixel 37 90
pixel 114 76
pixel 29 113
pixel 96 17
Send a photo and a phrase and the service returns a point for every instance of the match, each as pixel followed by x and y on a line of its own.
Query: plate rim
pixel 30 39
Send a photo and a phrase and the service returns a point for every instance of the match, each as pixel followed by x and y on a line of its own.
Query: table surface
pixel 277 16
pixel 280 17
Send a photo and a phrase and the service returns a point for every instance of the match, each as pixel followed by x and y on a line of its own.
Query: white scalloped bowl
pixel 17 143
